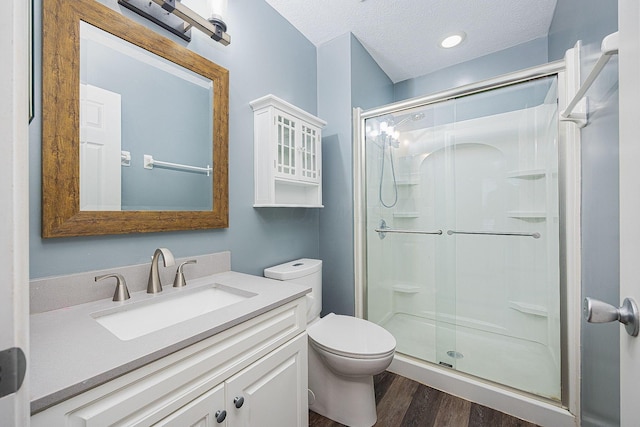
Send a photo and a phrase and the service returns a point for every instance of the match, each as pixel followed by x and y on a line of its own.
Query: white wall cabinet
pixel 262 361
pixel 287 155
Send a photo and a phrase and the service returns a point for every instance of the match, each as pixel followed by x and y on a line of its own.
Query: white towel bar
pixel 149 163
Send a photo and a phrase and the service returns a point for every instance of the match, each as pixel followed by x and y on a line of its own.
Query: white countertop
pixel 71 352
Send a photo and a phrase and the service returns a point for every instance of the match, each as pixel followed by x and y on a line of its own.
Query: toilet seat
pixel 352 337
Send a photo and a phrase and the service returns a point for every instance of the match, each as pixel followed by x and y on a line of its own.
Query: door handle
pixel 596 311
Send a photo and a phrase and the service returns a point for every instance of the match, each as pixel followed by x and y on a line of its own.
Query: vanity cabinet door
pixel 205 411
pixel 272 392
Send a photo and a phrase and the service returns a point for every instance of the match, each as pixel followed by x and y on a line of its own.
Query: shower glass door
pixel 463 234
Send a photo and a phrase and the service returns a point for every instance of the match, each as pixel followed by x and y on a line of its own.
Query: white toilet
pixel 344 352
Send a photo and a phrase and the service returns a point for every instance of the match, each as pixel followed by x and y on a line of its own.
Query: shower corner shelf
pixel 527 174
pixel 404 288
pixel 406 214
pixel 526 308
pixel 533 215
pixel 412 180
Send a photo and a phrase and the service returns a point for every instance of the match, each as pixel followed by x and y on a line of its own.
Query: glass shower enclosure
pixel 462 233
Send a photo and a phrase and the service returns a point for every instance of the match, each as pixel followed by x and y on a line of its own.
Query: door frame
pixel 629 93
pixel 14 193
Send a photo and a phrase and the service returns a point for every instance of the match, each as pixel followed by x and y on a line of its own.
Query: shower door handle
pixel 596 311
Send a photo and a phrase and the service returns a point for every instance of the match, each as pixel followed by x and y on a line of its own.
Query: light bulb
pixel 383 127
pixel 217 9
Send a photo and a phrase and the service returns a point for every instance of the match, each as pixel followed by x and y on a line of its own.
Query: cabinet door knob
pixel 220 416
pixel 238 401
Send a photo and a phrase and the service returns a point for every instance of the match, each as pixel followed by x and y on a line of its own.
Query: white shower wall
pixel 492 173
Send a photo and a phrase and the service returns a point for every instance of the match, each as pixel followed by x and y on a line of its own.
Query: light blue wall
pixel 336 223
pixel 516 58
pixel 370 86
pixel 586 20
pixel 590 21
pixel 267 55
pixel 347 77
pixel 152 125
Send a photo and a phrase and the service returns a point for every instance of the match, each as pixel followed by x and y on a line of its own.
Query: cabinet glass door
pixel 286 161
pixel 309 151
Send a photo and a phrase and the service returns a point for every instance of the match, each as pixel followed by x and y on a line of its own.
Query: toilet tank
pixel 306 272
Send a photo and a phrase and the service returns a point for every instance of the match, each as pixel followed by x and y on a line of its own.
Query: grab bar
pixel 150 162
pixel 495 233
pixel 395 230
pixel 382 230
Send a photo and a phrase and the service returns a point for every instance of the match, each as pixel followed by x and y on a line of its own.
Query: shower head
pixel 413 117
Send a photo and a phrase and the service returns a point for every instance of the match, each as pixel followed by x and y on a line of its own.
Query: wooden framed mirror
pixel 63 214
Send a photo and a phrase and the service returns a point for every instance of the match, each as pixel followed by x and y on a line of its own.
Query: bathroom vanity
pixel 244 364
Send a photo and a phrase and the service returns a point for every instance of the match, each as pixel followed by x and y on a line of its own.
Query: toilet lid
pixel 350 336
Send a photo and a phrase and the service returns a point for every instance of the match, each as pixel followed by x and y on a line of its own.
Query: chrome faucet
pixel 154 286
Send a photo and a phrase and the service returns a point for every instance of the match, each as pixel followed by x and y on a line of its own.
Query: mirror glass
pixel 146 129
pixel 135 127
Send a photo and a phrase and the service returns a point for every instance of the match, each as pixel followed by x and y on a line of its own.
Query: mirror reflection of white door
pixel 100 145
pixel 629 90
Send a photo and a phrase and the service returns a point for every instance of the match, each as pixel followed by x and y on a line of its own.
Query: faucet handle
pixel 180 281
pixel 121 293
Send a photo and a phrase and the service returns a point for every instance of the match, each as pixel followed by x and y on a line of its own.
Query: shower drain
pixel 454 354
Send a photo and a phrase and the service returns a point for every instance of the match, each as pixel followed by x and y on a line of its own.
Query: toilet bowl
pixel 344 355
pixel 344 352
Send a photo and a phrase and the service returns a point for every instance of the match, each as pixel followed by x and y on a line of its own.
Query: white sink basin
pixel 140 318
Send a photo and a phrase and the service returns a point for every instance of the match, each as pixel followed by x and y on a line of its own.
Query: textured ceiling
pixel 403 35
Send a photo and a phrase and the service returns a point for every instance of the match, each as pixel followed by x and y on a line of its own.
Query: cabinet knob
pixel 238 401
pixel 220 416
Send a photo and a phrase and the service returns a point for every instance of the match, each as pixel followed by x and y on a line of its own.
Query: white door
pixel 100 145
pixel 14 212
pixel 629 63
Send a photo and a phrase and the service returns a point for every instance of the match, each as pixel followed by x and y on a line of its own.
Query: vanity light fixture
pixel 453 40
pixel 179 19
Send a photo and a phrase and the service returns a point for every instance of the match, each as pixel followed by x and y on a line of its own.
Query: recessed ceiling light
pixel 453 40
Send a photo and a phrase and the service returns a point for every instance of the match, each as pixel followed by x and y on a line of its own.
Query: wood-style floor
pixel 402 402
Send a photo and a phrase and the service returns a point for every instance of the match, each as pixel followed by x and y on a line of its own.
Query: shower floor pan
pixel 523 365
